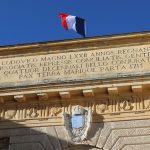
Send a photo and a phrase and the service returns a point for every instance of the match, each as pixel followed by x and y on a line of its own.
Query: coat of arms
pixel 78 123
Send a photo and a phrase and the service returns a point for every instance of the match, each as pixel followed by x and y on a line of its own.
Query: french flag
pixel 73 22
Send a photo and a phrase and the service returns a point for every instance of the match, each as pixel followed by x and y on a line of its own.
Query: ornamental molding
pixel 104 108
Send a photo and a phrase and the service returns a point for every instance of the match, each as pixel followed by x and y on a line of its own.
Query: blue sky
pixel 29 21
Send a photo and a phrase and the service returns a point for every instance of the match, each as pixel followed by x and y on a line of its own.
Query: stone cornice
pixel 102 88
pixel 104 41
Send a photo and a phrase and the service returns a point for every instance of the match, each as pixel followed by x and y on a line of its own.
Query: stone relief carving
pixel 78 123
pixel 120 103
pixel 147 103
pixel 29 112
pixel 55 111
pixel 33 112
pixel 100 108
pixel 9 114
pixel 114 104
pixel 126 105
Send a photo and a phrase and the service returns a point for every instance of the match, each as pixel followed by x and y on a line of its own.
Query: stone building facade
pixel 85 94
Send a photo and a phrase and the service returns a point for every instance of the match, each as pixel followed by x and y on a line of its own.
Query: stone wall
pixel 122 135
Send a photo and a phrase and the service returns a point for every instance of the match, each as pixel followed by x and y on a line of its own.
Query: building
pixel 85 94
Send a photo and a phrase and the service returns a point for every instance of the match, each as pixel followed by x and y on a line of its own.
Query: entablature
pixel 107 75
pixel 109 102
pixel 66 93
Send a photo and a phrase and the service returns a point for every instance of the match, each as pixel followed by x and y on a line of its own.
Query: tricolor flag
pixel 73 22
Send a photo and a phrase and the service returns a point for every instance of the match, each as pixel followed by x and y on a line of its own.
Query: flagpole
pixel 85 27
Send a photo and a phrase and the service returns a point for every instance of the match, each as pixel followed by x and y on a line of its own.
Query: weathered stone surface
pixel 94 63
pixel 108 136
pixel 108 77
pixel 116 135
pixel 137 147
pixel 27 146
pixel 94 133
pixel 41 139
pixel 122 141
pixel 62 136
pixel 53 137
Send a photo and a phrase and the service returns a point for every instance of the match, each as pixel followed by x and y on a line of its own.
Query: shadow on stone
pixel 95 128
pixel 14 136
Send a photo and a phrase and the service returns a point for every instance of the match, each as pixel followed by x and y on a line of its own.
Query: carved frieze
pixel 122 106
pixel 29 112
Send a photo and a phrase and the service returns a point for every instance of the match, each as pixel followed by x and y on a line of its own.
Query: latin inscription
pixel 82 65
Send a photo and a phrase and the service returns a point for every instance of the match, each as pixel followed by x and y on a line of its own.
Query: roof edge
pixel 67 41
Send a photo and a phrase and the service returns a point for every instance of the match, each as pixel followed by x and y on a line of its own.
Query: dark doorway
pixel 4 143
